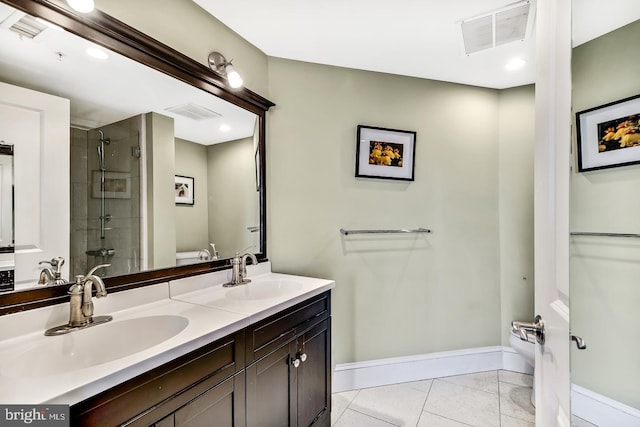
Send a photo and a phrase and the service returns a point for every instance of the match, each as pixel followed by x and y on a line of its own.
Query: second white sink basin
pixel 264 289
pixel 92 346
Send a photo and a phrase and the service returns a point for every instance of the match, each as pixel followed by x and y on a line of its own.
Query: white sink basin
pixel 264 289
pixel 92 346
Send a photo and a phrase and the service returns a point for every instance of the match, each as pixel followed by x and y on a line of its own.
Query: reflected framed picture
pixel 385 153
pixel 609 135
pixel 184 190
pixel 117 185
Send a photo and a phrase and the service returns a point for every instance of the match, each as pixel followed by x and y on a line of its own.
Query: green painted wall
pixel 396 295
pixel 192 222
pixel 604 272
pixel 516 143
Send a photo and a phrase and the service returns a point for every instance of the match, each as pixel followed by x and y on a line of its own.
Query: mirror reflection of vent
pixel 194 112
pixel 499 27
pixel 27 26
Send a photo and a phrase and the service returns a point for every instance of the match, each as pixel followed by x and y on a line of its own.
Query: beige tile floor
pixel 494 398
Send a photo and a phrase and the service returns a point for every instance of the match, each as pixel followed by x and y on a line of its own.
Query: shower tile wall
pixel 123 230
pixel 79 212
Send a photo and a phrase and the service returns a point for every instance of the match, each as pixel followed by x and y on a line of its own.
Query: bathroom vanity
pixel 254 377
pixel 251 355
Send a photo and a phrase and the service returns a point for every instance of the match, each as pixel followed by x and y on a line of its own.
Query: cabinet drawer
pixel 212 364
pixel 275 331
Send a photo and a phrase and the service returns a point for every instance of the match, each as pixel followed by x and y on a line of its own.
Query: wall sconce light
pixel 219 64
pixel 82 6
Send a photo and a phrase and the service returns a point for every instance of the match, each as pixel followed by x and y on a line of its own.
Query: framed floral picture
pixel 385 153
pixel 609 135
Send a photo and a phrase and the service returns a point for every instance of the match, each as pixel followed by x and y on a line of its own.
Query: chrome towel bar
pixel 403 230
pixel 587 233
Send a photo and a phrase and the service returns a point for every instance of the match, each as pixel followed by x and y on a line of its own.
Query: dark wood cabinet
pixel 150 397
pixel 276 372
pixel 314 376
pixel 291 384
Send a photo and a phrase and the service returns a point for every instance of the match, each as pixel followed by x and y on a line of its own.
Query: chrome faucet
pixel 239 269
pixel 208 255
pixel 52 275
pixel 81 304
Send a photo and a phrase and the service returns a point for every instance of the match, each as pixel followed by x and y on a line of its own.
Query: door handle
pixel 524 329
pixel 579 342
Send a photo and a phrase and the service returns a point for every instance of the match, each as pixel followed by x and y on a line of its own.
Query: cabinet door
pixel 222 406
pixel 314 394
pixel 271 386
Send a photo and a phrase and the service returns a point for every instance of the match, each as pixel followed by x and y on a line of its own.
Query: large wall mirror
pixel 604 270
pixel 125 153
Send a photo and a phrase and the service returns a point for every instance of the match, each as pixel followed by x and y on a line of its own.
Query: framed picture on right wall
pixel 609 135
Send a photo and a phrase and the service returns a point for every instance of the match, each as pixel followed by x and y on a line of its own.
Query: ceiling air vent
pixel 498 27
pixel 27 26
pixel 194 112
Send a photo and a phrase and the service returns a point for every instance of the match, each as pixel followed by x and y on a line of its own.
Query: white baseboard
pixel 351 376
pixel 512 361
pixel 600 410
pixel 590 406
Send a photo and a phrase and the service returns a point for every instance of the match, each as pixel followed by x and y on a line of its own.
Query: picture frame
pixel 608 136
pixel 117 185
pixel 385 153
pixel 184 190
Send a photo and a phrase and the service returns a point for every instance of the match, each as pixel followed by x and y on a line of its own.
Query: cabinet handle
pixel 303 357
pixel 295 363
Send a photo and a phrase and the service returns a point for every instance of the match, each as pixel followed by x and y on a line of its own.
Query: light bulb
pixel 234 79
pixel 82 6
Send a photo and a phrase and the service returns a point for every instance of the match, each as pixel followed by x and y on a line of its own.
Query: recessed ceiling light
pixel 515 64
pixel 225 128
pixel 94 52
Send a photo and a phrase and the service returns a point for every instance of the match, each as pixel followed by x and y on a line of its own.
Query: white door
pixel 37 125
pixel 552 158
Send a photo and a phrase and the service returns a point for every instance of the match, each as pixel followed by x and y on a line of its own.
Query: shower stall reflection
pixel 106 198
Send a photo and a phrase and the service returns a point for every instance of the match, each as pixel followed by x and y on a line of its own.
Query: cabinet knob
pixel 303 357
pixel 295 363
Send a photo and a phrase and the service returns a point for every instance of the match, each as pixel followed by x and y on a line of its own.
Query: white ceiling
pixel 419 38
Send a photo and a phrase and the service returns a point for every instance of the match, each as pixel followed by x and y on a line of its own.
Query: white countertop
pixel 212 312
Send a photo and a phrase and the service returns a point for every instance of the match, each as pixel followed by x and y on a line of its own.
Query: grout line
pixel 425 402
pixel 375 418
pixel 513 383
pixel 345 409
pixel 447 418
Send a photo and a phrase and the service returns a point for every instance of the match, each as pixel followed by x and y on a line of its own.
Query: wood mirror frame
pixel 115 35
